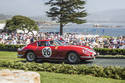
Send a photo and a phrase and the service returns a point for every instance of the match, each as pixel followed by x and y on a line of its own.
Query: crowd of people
pixel 94 41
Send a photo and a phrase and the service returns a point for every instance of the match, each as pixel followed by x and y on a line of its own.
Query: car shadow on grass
pixel 23 61
pixel 58 62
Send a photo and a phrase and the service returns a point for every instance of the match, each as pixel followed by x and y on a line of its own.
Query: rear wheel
pixel 73 58
pixel 30 56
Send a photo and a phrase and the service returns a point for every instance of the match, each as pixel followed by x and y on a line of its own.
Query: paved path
pixel 106 62
pixel 99 61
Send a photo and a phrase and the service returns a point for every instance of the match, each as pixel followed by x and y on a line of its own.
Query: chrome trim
pixel 19 49
pixel 93 56
pixel 37 43
pixel 85 56
pixel 19 56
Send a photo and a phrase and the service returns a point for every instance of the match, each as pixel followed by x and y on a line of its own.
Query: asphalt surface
pixel 105 62
pixel 98 61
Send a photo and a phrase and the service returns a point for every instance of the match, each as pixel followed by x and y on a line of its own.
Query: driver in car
pixel 52 43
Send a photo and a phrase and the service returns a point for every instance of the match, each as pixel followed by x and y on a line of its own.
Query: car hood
pixel 80 47
pixel 74 47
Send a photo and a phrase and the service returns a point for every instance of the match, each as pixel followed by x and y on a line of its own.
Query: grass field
pixel 10 56
pixel 65 78
pixel 47 77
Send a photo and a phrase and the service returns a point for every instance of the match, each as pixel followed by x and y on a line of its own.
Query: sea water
pixel 109 29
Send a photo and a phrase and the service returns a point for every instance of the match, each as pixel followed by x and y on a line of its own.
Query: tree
pixel 67 11
pixel 21 23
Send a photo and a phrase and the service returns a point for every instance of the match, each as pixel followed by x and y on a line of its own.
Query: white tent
pixel 2 25
pixel 20 31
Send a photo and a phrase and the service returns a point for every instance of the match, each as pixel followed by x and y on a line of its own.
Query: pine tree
pixel 67 11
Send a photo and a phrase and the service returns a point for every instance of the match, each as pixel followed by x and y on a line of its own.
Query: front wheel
pixel 30 56
pixel 73 58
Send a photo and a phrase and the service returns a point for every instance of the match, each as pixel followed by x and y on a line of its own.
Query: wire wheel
pixel 30 56
pixel 73 58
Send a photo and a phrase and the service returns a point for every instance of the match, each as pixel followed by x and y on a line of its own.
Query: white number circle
pixel 46 52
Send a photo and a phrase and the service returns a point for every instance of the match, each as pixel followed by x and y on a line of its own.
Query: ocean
pixel 106 29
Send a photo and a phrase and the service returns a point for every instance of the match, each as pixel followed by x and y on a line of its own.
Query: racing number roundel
pixel 46 52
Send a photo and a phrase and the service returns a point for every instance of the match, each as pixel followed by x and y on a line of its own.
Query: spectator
pixel 67 38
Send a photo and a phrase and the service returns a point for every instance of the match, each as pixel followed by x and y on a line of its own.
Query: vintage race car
pixel 55 50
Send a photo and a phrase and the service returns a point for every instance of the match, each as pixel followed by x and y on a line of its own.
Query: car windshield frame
pixel 57 42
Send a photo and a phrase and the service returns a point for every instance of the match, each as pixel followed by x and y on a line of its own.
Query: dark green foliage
pixel 67 11
pixel 4 47
pixel 106 51
pixel 21 23
pixel 98 71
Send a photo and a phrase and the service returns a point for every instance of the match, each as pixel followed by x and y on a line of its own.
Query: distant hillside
pixel 40 18
pixel 110 16
pixel 36 18
pixel 4 17
pixel 117 15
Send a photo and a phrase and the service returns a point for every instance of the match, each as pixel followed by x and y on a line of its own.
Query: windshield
pixel 56 43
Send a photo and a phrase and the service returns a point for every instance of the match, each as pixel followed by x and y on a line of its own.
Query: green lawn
pixel 6 55
pixel 47 77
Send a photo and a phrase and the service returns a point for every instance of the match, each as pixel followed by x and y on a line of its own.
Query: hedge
pixel 107 51
pixel 98 71
pixel 4 47
pixel 101 51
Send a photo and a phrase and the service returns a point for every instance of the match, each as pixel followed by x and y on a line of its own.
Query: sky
pixel 38 8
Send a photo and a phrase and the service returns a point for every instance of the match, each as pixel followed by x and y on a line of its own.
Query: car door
pixel 57 52
pixel 44 50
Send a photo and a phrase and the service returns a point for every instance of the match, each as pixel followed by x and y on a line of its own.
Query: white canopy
pixel 2 25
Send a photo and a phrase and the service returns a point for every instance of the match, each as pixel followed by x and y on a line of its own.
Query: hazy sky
pixel 37 7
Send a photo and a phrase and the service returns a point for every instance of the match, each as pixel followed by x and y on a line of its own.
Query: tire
pixel 30 57
pixel 73 58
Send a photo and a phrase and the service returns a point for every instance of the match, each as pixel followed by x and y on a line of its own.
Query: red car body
pixel 44 49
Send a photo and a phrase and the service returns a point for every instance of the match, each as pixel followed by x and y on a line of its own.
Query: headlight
pixel 89 50
pixel 92 51
pixel 85 51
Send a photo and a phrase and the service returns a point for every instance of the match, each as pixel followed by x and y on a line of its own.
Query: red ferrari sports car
pixel 55 50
